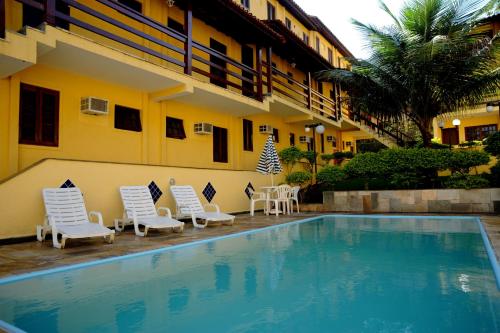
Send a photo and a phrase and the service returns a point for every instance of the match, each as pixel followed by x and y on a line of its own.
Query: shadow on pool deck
pixel 32 256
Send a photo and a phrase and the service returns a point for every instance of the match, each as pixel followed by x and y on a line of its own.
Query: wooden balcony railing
pixel 178 49
pixel 301 94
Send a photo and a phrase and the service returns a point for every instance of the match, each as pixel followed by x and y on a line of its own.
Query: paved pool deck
pixel 33 256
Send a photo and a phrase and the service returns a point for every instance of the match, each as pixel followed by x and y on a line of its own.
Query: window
pixel 330 56
pixel 127 119
pixel 292 139
pixel 175 128
pixel 38 116
pixel 276 136
pixel 132 4
pixel 218 75
pixel 479 132
pixel 322 142
pixel 247 135
pixel 305 38
pixel 290 77
pixel 245 3
pixel 288 23
pixel 271 12
pixel 220 144
pixel 318 45
pixel 175 25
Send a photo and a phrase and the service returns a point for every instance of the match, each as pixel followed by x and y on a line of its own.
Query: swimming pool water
pixel 331 274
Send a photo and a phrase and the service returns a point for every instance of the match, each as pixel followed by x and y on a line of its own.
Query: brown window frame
pixel 38 140
pixel 271 11
pixel 220 145
pixel 276 135
pixel 288 23
pixel 120 109
pixel 174 128
pixel 247 135
pixel 468 129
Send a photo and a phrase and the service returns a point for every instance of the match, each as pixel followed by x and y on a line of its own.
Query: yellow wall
pixel 22 200
pixel 467 120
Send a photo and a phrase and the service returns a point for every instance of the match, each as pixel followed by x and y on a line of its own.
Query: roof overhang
pixel 294 50
pixel 232 19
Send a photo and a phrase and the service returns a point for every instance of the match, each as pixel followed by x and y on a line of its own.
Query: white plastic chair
pixel 66 215
pixel 188 205
pixel 139 209
pixel 282 196
pixel 256 197
pixel 294 196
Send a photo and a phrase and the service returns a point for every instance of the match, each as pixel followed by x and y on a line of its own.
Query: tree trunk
pixel 425 128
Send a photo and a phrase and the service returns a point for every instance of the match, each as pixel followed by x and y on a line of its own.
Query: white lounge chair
pixel 66 215
pixel 188 205
pixel 139 209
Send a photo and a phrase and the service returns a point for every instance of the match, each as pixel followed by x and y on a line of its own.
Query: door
pixel 220 144
pixel 450 136
pixel 247 60
pixel 218 75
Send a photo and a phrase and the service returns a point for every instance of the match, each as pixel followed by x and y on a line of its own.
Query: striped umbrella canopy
pixel 269 161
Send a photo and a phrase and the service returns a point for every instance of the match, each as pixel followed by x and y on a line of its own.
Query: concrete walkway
pixel 32 256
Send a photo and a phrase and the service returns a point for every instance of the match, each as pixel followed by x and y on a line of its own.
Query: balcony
pixel 174 58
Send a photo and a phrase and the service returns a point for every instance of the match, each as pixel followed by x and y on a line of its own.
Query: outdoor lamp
pixel 170 3
pixel 456 122
pixel 489 107
pixel 441 124
pixel 320 129
pixel 308 129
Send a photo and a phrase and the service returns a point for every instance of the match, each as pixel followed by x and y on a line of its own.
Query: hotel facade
pixel 104 93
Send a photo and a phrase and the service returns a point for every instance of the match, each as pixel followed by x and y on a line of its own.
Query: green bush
pixel 348 154
pixel 494 175
pixel 470 143
pixel 466 181
pixel 289 157
pixel 310 158
pixel 372 146
pixel 493 144
pixel 366 165
pixel 327 157
pixel 330 175
pixel 298 178
pixel 461 161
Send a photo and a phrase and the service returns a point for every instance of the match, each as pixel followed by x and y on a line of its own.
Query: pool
pixel 327 274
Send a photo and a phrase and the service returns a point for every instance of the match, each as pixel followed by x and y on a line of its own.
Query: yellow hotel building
pixel 107 93
pixel 478 122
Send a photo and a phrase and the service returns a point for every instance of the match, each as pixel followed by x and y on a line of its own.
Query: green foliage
pixel 367 165
pixel 372 146
pixel 493 144
pixel 461 161
pixel 298 178
pixel 289 157
pixel 494 175
pixel 327 157
pixel 470 144
pixel 424 64
pixel 466 181
pixel 310 157
pixel 330 175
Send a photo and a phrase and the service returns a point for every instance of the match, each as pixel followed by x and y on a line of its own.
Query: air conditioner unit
pixel 304 139
pixel 203 128
pixel 330 138
pixel 265 129
pixel 93 105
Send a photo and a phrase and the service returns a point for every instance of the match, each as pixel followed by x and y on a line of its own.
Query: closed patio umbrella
pixel 269 161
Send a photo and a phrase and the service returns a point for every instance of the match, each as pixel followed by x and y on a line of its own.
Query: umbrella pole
pixel 272 179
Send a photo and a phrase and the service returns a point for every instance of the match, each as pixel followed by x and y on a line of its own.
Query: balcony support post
pixel 269 57
pixel 188 44
pixel 50 12
pixel 2 18
pixel 309 91
pixel 260 96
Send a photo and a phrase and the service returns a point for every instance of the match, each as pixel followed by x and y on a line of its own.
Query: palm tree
pixel 430 61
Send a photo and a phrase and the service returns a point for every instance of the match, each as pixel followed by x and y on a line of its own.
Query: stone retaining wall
pixel 414 201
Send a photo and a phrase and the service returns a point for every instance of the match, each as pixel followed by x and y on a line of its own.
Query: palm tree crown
pixel 430 61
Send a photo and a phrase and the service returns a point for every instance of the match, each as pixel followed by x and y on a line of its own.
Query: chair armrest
pixel 50 220
pixel 217 209
pixel 98 215
pixel 166 210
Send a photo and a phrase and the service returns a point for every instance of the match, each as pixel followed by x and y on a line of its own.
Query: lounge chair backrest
pixel 185 197
pixel 139 200
pixel 65 205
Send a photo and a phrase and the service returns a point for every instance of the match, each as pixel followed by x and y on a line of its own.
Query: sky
pixel 337 14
